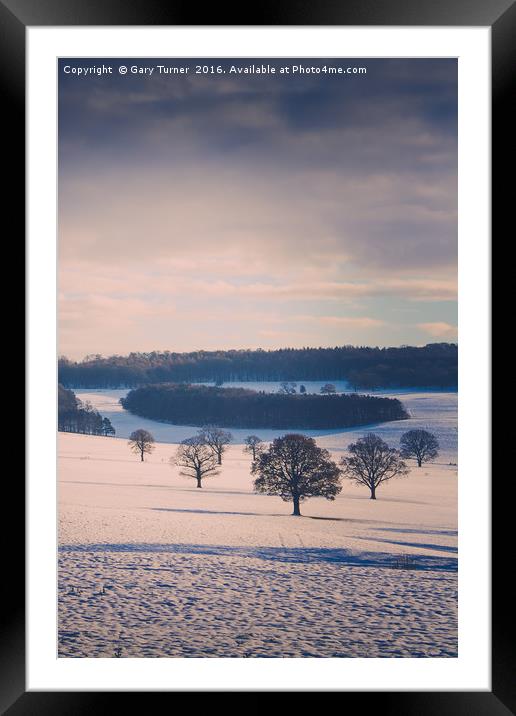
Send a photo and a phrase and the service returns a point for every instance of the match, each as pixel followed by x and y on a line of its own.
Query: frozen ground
pixel 436 411
pixel 151 566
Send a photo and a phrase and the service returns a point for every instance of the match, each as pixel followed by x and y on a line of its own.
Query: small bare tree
pixel 196 459
pixel 253 445
pixel 371 461
pixel 141 442
pixel 420 445
pixel 294 468
pixel 217 439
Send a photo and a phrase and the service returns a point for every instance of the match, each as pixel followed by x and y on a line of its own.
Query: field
pixel 150 566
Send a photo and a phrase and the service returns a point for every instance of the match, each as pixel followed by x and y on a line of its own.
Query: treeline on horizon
pixel 200 405
pixel 74 416
pixel 430 366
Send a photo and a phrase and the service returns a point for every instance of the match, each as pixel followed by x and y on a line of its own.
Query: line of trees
pixel 74 416
pixel 185 404
pixel 293 466
pixel 433 365
pixel 290 388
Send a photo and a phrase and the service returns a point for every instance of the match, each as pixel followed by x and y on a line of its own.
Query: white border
pixel 471 670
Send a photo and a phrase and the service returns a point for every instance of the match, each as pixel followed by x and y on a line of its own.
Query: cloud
pixel 224 199
pixel 238 281
pixel 308 217
pixel 349 321
pixel 439 329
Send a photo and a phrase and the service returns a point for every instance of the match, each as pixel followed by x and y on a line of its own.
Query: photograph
pixel 257 359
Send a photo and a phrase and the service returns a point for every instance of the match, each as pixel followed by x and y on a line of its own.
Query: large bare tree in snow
pixel 196 459
pixel 371 462
pixel 294 468
pixel 142 442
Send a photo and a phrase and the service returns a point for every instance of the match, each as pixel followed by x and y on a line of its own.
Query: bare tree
pixel 217 439
pixel 196 459
pixel 287 388
pixel 295 468
pixel 328 389
pixel 420 445
pixel 141 442
pixel 253 445
pixel 371 461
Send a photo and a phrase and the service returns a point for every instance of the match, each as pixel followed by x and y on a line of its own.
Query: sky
pixel 217 211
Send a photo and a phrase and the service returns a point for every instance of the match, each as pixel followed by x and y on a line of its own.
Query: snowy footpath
pixel 150 566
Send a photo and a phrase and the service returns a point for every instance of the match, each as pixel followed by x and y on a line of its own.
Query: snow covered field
pixel 150 566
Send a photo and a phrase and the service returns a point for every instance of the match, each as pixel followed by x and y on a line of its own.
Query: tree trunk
pixel 373 492
pixel 297 511
pixel 219 458
pixel 141 455
pixel 199 482
pixel 419 462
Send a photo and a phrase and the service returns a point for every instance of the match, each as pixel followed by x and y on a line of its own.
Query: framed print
pixel 259 352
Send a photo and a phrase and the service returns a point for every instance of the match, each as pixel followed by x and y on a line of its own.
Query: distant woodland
pixel 237 407
pixel 430 366
pixel 74 416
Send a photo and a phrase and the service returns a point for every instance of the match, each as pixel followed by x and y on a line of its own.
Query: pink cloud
pixel 439 329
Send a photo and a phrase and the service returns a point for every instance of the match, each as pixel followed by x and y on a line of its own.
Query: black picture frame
pixel 15 17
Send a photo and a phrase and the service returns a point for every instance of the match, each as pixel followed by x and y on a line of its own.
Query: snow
pixel 191 605
pixel 153 566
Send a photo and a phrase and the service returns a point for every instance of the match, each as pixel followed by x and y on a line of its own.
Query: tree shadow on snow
pixel 436 547
pixel 292 555
pixel 402 530
pixel 343 519
pixel 213 512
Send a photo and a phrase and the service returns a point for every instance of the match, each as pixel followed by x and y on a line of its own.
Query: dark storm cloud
pixel 236 113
